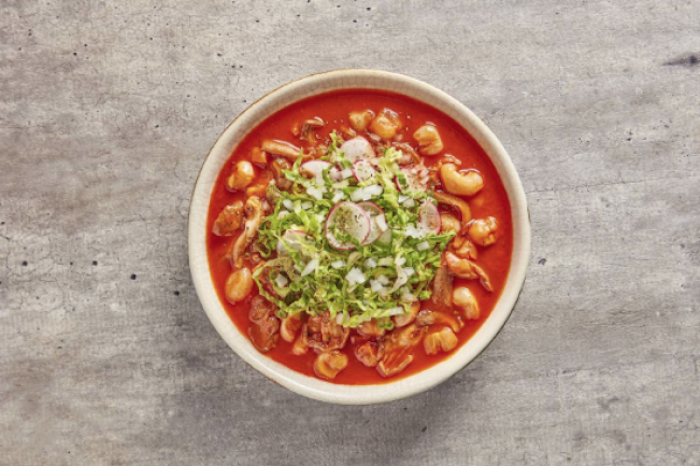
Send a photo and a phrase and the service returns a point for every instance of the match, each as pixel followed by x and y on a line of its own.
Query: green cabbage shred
pixel 326 288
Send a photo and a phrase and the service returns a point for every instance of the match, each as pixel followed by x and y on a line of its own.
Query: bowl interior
pixel 318 84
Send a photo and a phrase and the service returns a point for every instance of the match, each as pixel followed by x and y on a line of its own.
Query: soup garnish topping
pixel 355 248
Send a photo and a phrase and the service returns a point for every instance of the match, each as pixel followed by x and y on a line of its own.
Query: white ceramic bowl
pixel 317 84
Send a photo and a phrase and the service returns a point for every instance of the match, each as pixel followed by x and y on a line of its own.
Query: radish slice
pixel 316 167
pixel 409 182
pixel 350 219
pixel 294 238
pixel 375 213
pixel 429 218
pixel 357 149
pixel 363 171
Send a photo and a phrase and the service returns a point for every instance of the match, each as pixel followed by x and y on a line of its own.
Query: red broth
pixel 334 107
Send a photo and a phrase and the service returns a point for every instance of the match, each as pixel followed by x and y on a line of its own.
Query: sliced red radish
pixel 363 171
pixel 316 167
pixel 357 149
pixel 294 238
pixel 429 218
pixel 350 219
pixel 375 213
pixel 409 182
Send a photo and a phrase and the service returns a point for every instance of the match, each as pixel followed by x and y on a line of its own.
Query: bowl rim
pixel 316 84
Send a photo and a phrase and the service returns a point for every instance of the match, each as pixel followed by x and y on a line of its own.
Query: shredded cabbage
pixel 370 282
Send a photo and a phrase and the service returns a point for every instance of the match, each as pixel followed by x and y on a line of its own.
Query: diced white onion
pixel 386 262
pixel 383 280
pixel 370 263
pixel 376 285
pixel 409 271
pixel 402 198
pixel 282 213
pixel 381 222
pixel 306 205
pixel 400 261
pixel 321 218
pixel 288 204
pixel 396 311
pixel 338 196
pixel 281 281
pixel 310 267
pixel 316 193
pixel 423 246
pixel 414 232
pixel 374 190
pixel 338 264
pixel 408 203
pixel 408 298
pixel 355 276
pixel 346 173
pixel 358 195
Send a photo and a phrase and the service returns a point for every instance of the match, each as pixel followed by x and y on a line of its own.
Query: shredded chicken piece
pixel 284 149
pixel 264 329
pixel 258 157
pixel 258 190
pixel 323 333
pixel 427 317
pixel 308 128
pixel 464 248
pixel 442 286
pixel 465 268
pixel 405 319
pixel 277 166
pixel 410 155
pixel 254 217
pixel 299 347
pixel 396 348
pixel 460 204
pixel 229 220
pixel 448 158
pixel 368 353
pixel 450 223
pixel 371 329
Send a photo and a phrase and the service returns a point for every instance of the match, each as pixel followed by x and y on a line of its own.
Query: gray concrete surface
pixel 106 111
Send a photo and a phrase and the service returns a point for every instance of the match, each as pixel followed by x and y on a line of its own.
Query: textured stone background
pixel 107 109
